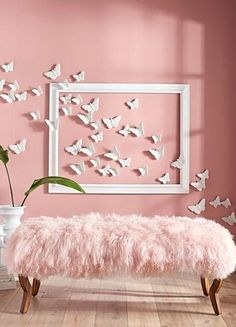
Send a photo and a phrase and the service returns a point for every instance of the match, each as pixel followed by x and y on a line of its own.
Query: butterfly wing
pixel 35 115
pixel 204 174
pixel 77 99
pixel 2 83
pixel 95 125
pixel 231 219
pixel 8 97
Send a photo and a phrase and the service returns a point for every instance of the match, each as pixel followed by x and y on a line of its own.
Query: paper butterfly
pixel 125 131
pixel 157 154
pixel 89 151
pixel 75 148
pixel 86 119
pixel 204 174
pixel 113 154
pixel 125 162
pixel 97 137
pixel 91 106
pixel 52 124
pixel 143 170
pixel 66 110
pixel 66 99
pixel 133 104
pixel 165 179
pixel 9 67
pixel 199 207
pixel 2 82
pixel 156 138
pixel 199 185
pixel 8 97
pixel 95 125
pixel 108 170
pixel 37 91
pixel 77 100
pixel 65 84
pixel 53 73
pixel 21 96
pixel 231 219
pixel 216 202
pixel 226 203
pixel 18 147
pixel 35 115
pixel 112 122
pixel 179 163
pixel 95 162
pixel 14 86
pixel 79 77
pixel 137 131
pixel 78 168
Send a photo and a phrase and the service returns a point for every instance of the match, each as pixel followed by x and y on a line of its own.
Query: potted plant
pixel 12 213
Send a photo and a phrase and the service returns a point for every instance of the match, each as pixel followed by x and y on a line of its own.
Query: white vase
pixel 11 217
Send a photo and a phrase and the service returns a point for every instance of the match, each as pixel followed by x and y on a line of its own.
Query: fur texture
pixel 98 245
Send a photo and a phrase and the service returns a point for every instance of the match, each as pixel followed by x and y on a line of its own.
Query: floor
pixel 174 301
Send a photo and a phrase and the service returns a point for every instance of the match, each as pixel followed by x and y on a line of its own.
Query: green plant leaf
pixel 4 155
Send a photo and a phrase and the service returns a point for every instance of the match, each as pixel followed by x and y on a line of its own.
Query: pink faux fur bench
pixel 97 245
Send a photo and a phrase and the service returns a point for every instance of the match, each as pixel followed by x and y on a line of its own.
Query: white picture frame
pixel 182 89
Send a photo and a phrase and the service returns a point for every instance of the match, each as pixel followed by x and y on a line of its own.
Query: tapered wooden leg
pixel 27 291
pixel 214 295
pixel 205 285
pixel 35 287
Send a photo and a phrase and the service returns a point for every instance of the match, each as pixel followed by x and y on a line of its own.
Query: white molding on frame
pixel 182 89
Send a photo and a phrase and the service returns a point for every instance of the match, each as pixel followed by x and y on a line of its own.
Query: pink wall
pixel 131 42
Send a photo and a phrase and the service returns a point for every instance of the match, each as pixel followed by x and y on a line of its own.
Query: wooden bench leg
pixel 205 285
pixel 35 287
pixel 214 295
pixel 27 291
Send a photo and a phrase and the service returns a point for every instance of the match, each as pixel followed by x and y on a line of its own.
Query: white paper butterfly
pixel 95 125
pixel 97 137
pixel 21 96
pixel 199 207
pixel 65 84
pixel 86 119
pixel 199 185
pixel 2 83
pixel 125 162
pixel 156 138
pixel 9 67
pixel 8 97
pixel 89 150
pixel 125 131
pixel 157 153
pixel 165 179
pixel 112 122
pixel 108 170
pixel 226 203
pixel 215 202
pixel 14 86
pixel 66 99
pixel 75 148
pixel 133 104
pixel 137 130
pixel 95 162
pixel 230 220
pixel 53 73
pixel 143 170
pixel 113 154
pixel 91 106
pixel 37 91
pixel 77 100
pixel 67 111
pixel 179 163
pixel 18 147
pixel 78 168
pixel 52 124
pixel 35 115
pixel 204 175
pixel 79 77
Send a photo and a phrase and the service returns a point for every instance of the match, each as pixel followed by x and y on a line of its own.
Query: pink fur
pixel 97 245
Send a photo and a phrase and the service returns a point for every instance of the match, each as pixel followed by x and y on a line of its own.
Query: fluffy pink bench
pixel 102 246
